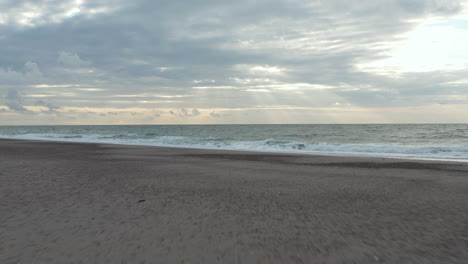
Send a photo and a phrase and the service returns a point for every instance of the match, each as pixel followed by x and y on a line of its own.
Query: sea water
pixel 421 141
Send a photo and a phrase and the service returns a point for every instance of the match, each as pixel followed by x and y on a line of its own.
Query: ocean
pixel 413 141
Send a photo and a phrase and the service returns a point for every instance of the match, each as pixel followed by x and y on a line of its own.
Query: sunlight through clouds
pixel 230 61
pixel 432 46
pixel 31 14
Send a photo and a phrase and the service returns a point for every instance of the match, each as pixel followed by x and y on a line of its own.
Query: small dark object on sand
pixel 141 201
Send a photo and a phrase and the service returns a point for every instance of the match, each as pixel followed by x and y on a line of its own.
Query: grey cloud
pixel 123 50
pixel 72 60
pixel 13 100
pixel 185 112
pixel 432 6
pixel 195 112
pixel 30 73
pixel 51 108
pixel 214 114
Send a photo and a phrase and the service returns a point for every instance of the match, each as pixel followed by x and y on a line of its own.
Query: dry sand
pixel 93 203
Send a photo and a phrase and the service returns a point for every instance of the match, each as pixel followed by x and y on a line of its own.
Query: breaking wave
pixel 459 153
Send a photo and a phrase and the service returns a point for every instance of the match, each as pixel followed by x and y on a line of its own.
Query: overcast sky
pixel 196 62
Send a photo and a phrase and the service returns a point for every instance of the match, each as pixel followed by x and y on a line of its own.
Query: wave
pixel 266 145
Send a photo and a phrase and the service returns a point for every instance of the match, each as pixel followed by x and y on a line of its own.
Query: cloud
pixel 29 74
pixel 27 14
pixel 214 114
pixel 71 60
pixel 195 112
pixel 245 55
pixel 185 112
pixel 13 100
pixel 51 108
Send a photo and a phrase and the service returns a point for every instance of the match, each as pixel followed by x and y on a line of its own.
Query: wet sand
pixel 97 203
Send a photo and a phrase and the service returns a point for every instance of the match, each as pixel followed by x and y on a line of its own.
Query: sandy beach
pixel 97 203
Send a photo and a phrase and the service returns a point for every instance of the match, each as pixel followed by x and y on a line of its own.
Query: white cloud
pixel 37 13
pixel 266 69
pixel 433 46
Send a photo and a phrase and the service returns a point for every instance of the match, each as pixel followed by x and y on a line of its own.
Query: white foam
pixel 459 153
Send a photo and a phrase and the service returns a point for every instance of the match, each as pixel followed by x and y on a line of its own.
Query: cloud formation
pixel 165 57
pixel 71 60
pixel 184 113
pixel 14 101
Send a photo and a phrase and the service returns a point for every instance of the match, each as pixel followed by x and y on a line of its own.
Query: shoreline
pixel 326 154
pixel 102 203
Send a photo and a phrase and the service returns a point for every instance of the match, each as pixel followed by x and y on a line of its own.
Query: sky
pixel 81 62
